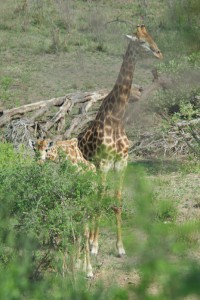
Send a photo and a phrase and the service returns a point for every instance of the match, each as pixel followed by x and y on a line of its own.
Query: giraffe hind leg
pixel 119 242
pixel 87 263
pixel 95 244
pixel 84 264
pixel 120 168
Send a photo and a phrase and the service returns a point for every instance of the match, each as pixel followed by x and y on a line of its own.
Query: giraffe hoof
pixel 94 250
pixel 89 275
pixel 121 255
pixel 121 252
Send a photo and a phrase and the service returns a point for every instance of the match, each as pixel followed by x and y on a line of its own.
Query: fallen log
pixel 8 114
pixel 74 112
pixel 42 107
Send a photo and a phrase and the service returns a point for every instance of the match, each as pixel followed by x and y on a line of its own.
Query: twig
pixel 120 20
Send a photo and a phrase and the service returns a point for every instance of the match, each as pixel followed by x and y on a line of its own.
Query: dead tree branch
pixel 36 119
pixel 65 116
pixel 65 103
pixel 183 124
pixel 10 114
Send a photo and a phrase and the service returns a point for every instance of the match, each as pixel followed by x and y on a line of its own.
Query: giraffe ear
pixel 143 28
pixel 31 143
pixel 50 144
pixel 132 38
pixel 75 141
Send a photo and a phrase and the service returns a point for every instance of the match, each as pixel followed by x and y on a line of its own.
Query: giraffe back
pixel 105 131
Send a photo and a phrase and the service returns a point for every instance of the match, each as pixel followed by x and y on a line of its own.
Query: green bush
pixel 43 203
pixel 161 247
pixel 42 207
pixel 180 14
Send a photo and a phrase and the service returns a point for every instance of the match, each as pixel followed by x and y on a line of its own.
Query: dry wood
pixel 76 109
pixel 188 123
pixel 176 141
pixel 65 103
pixel 25 121
pixel 78 123
pixel 84 99
pixel 8 114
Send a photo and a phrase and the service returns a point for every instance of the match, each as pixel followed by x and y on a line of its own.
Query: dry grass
pixel 50 50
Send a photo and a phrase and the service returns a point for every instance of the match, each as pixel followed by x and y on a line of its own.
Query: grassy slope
pixel 38 62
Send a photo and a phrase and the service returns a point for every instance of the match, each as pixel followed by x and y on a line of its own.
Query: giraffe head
pixel 41 148
pixel 135 93
pixel 47 149
pixel 143 38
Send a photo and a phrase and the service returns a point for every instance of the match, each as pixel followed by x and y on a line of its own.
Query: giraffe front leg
pixel 78 262
pixel 119 243
pixel 91 236
pixel 95 244
pixel 94 231
pixel 120 168
pixel 87 263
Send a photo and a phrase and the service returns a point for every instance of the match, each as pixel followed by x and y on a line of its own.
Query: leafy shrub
pixel 44 202
pixel 180 14
pixel 162 247
pixel 178 108
pixel 43 206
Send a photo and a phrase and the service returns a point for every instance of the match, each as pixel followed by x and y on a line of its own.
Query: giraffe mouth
pixel 135 98
pixel 136 93
pixel 41 161
pixel 157 53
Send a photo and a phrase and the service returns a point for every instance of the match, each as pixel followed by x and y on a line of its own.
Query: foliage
pixel 164 262
pixel 179 106
pixel 182 103
pixel 45 203
pixel 184 17
pixel 42 209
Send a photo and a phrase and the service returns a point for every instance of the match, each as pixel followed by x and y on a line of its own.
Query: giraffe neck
pixel 114 105
pixel 124 80
pixel 108 129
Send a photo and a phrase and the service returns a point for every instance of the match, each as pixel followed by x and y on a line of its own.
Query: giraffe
pixel 105 142
pixel 49 150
